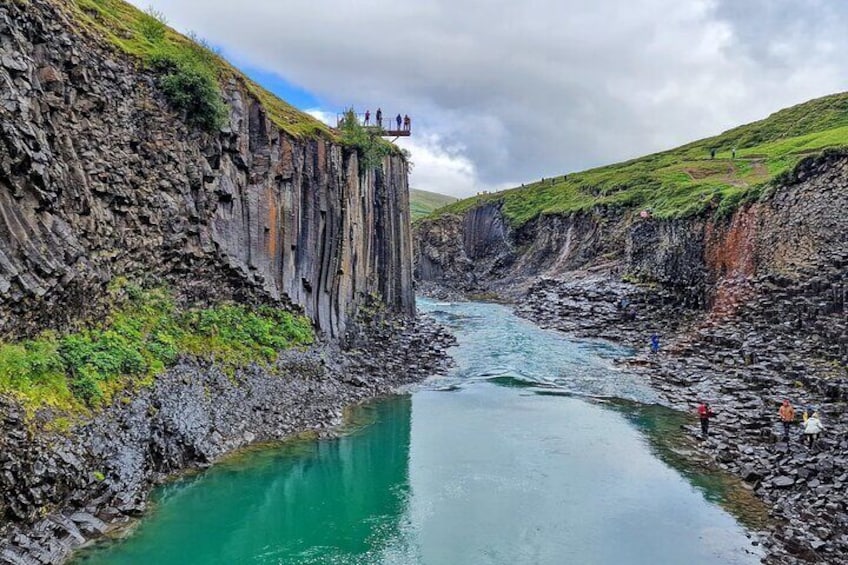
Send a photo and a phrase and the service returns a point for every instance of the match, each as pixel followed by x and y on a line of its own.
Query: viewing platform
pixel 387 127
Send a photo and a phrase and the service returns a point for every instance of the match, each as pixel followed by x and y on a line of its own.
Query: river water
pixel 513 458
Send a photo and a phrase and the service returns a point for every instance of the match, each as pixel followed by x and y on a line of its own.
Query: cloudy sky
pixel 503 92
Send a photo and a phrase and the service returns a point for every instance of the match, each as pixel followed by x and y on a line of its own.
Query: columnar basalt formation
pixel 99 179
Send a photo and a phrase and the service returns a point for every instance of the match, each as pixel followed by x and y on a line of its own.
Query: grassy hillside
pixel 422 203
pixel 686 181
pixel 145 36
pixel 146 333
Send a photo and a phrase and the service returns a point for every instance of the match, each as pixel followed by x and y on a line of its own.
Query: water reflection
pixel 334 501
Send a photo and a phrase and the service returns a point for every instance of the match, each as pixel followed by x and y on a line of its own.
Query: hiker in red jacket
pixel 704 414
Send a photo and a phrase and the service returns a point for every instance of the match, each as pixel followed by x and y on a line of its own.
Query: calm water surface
pixel 508 460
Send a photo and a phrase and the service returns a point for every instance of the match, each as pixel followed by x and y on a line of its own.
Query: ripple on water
pixel 500 348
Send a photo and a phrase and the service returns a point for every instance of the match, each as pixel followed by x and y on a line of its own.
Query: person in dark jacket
pixel 704 414
pixel 367 117
pixel 399 121
pixel 379 117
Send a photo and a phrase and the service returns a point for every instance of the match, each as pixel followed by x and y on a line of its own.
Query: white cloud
pixel 513 91
pixel 440 168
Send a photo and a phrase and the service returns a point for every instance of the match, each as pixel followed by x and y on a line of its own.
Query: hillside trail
pixel 730 176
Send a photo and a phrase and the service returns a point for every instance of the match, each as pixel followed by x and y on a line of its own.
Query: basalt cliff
pixel 100 178
pixel 103 182
pixel 747 293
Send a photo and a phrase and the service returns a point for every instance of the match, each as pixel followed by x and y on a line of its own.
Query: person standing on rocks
pixel 655 343
pixel 813 428
pixel 367 117
pixel 787 417
pixel 704 414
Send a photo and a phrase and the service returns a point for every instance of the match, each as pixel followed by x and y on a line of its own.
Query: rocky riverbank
pixel 58 490
pixel 743 361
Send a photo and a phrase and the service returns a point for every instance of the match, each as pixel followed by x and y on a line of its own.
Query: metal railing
pixel 388 123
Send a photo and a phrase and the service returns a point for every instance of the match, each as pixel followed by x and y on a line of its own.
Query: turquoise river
pixel 535 449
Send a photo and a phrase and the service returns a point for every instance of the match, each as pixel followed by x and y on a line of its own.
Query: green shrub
pixel 191 87
pixel 370 148
pixel 85 385
pixel 153 25
pixel 30 362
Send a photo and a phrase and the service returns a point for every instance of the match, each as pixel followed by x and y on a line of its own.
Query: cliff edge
pixel 101 177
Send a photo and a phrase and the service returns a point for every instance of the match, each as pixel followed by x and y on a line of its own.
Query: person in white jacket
pixel 813 428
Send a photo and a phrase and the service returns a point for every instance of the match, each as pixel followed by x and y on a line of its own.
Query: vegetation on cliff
pixel 422 203
pixel 145 335
pixel 370 148
pixel 190 72
pixel 687 181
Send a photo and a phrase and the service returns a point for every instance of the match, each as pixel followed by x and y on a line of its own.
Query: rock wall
pixel 800 228
pixel 459 250
pixel 99 178
pixel 781 267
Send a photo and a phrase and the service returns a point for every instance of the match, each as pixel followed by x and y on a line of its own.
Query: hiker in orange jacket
pixel 787 417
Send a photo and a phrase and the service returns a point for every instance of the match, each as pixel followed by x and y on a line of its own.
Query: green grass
pixel 685 181
pixel 136 33
pixel 144 336
pixel 423 203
